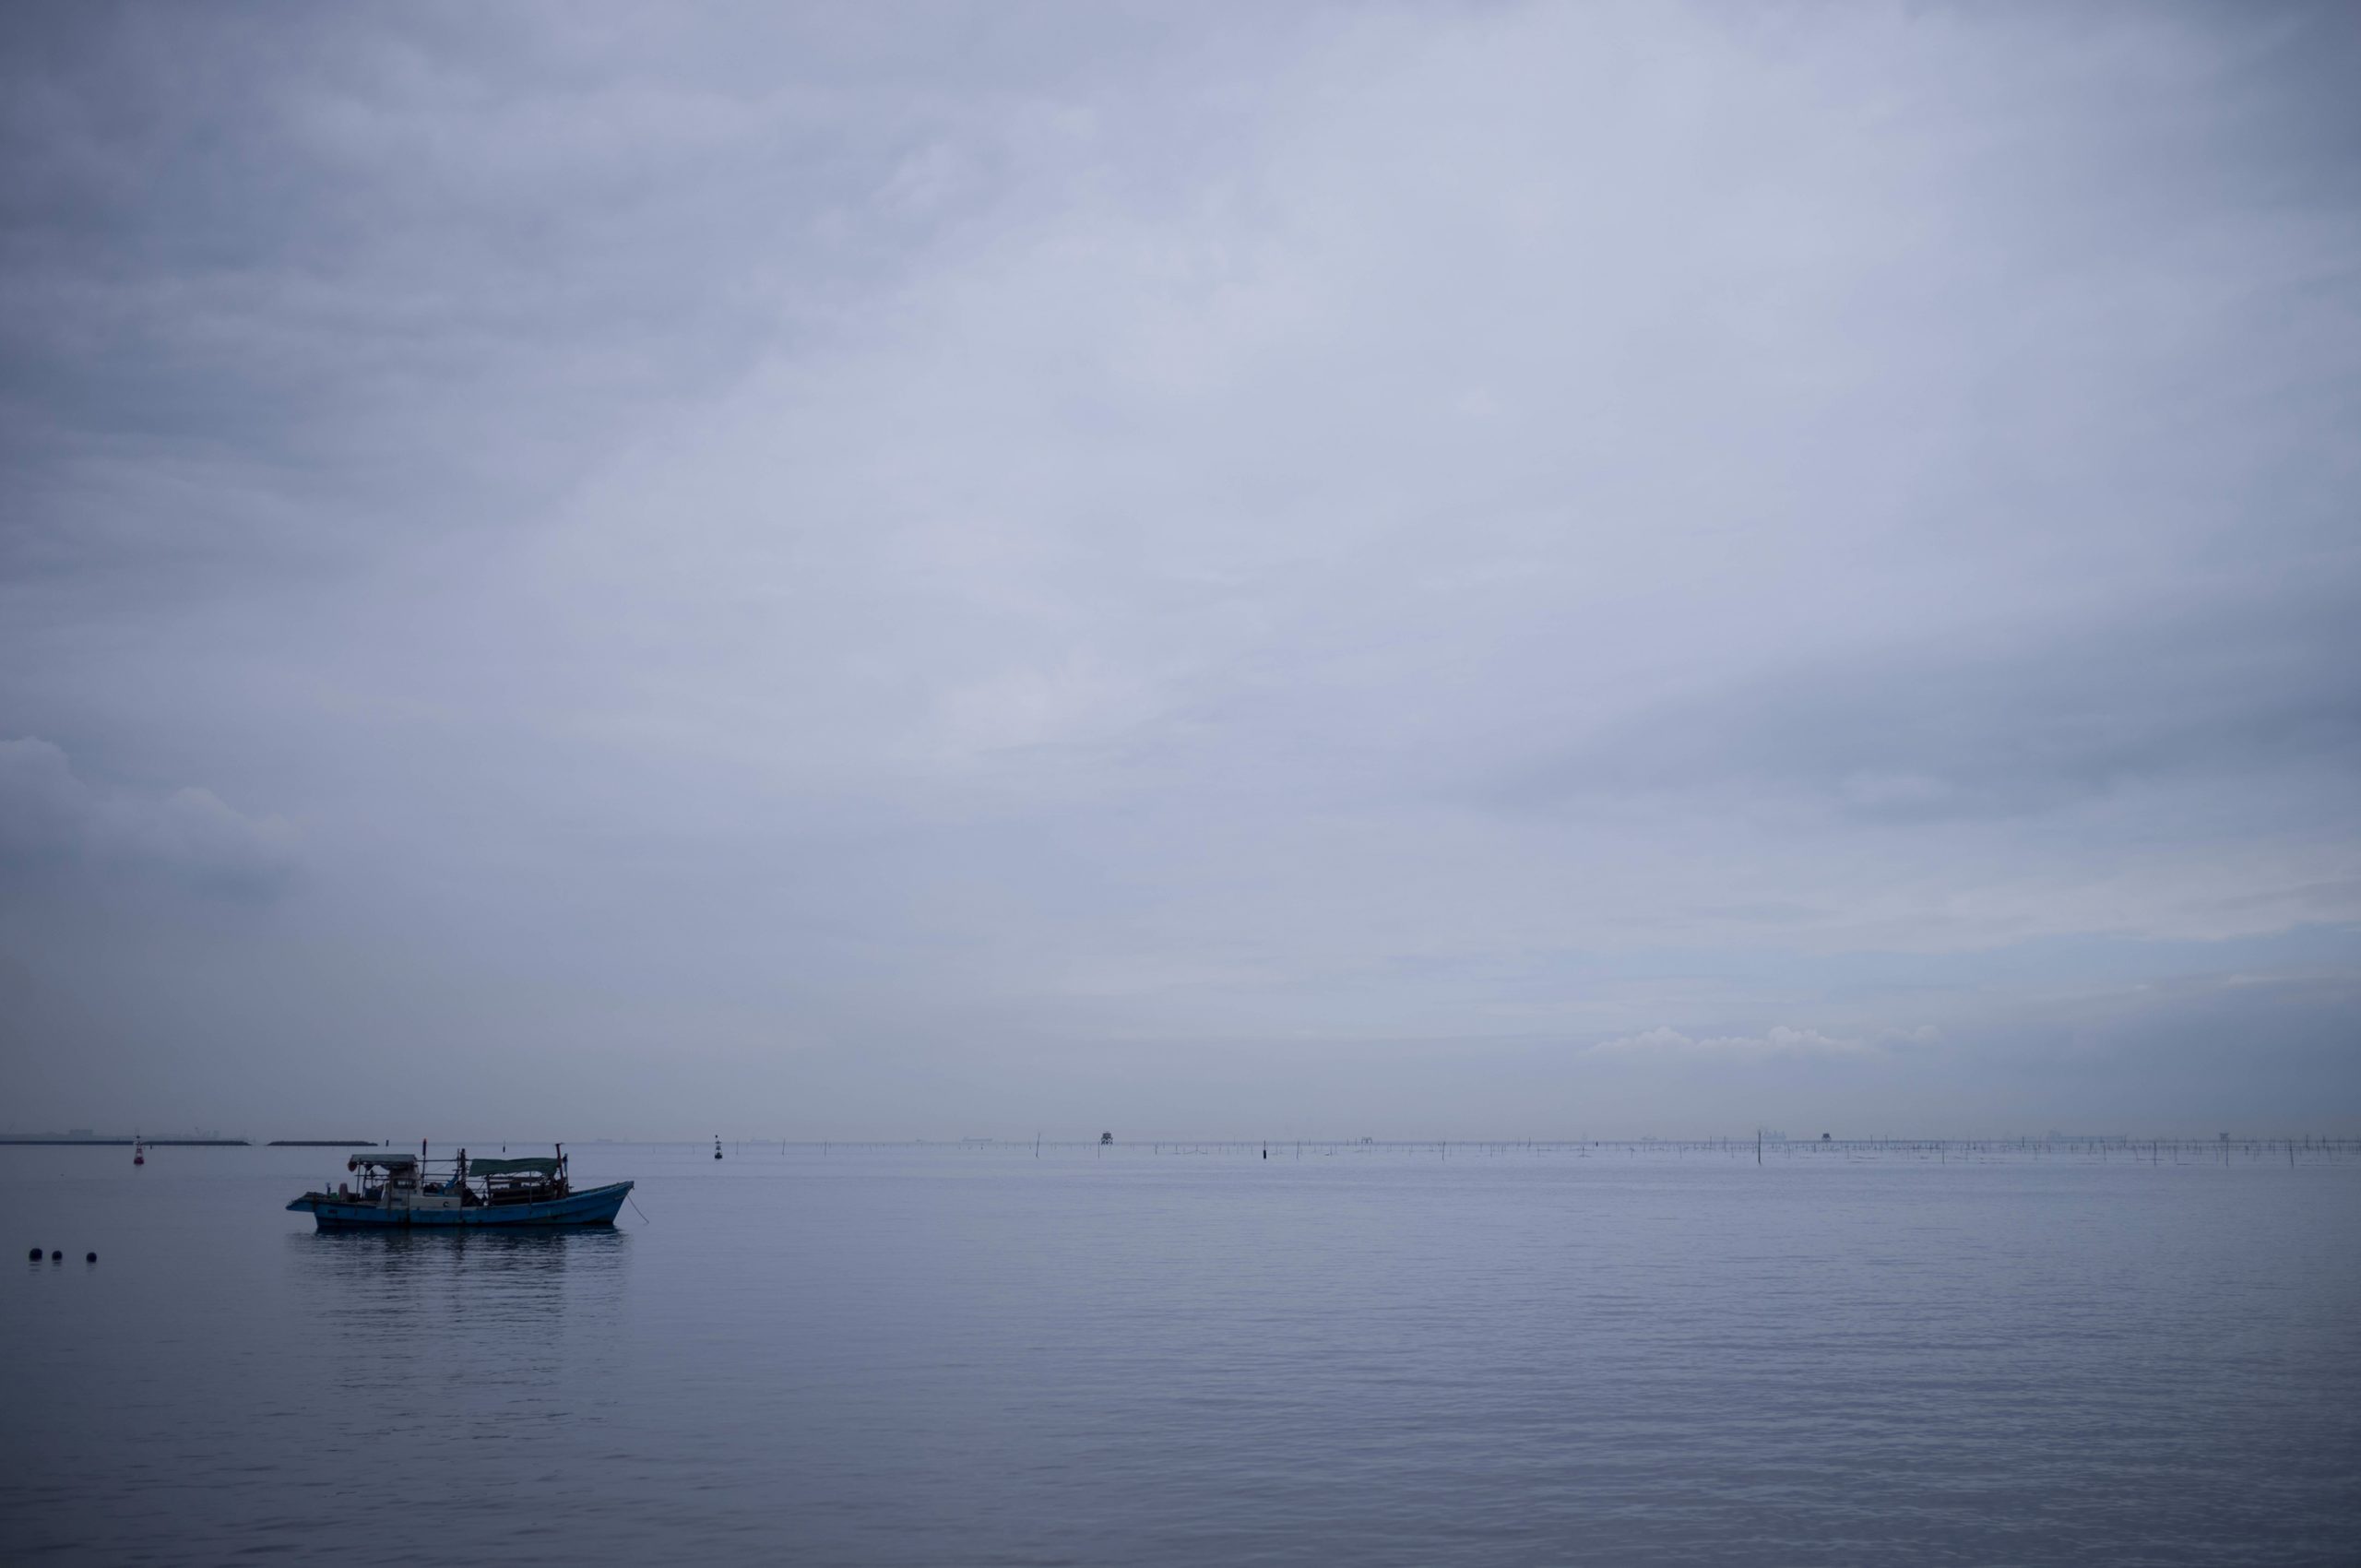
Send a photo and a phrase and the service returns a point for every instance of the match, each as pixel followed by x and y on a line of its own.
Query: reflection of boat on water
pixel 404 1190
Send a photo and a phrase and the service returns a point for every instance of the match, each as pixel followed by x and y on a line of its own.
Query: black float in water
pixel 57 1257
pixel 36 1255
pixel 89 1257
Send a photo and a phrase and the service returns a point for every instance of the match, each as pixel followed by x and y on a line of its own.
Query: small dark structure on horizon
pixel 1105 1138
pixel 1824 1137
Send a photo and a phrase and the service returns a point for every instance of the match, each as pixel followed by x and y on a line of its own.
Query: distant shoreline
pixel 127 1142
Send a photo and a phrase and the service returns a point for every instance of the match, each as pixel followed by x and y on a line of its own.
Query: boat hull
pixel 599 1205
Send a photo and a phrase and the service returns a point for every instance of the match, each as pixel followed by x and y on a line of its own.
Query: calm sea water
pixel 973 1355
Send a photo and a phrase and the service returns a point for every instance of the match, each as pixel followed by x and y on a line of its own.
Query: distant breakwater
pixel 127 1142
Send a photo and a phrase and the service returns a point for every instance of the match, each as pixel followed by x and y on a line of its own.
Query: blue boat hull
pixel 596 1206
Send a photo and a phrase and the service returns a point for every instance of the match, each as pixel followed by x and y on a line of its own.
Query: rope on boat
pixel 636 1208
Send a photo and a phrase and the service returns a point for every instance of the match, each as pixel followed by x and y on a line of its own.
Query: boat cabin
pixel 407 1181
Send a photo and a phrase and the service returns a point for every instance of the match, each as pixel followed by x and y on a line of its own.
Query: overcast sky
pixel 1267 570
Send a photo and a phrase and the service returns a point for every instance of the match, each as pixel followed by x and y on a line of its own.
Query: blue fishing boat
pixel 406 1190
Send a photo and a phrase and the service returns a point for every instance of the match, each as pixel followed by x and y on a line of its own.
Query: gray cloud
pixel 1205 566
pixel 2252 682
pixel 51 822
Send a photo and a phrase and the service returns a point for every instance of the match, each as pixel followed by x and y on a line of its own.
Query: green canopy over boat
pixel 512 1167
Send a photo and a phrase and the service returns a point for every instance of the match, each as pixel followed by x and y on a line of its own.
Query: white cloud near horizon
pixel 1776 1041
